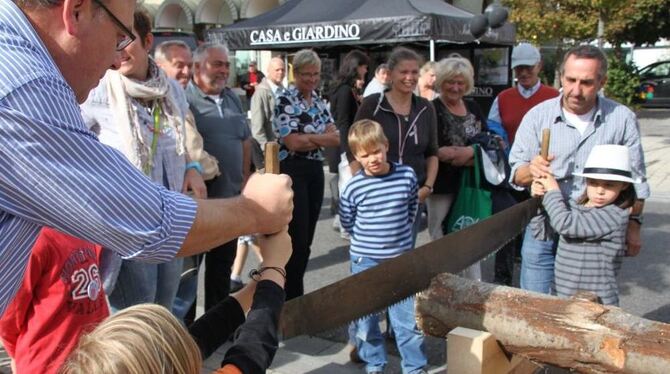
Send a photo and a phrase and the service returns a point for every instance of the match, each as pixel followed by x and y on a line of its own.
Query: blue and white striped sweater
pixel 379 211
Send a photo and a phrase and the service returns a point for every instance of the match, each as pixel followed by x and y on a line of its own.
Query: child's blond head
pixel 365 135
pixel 142 339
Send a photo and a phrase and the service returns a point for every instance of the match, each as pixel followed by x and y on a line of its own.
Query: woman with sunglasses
pixel 304 125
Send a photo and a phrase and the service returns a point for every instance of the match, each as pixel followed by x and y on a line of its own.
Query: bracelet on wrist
pixel 194 165
pixel 430 188
pixel 255 274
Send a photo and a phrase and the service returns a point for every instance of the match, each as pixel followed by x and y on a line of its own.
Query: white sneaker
pixel 345 235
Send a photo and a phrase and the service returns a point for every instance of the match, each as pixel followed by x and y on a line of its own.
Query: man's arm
pixel 66 179
pixel 524 158
pixel 195 148
pixel 633 142
pixel 494 122
pixel 537 168
pixel 246 160
pixel 633 236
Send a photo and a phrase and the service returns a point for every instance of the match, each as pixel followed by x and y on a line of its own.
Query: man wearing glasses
pixel 222 122
pixel 54 172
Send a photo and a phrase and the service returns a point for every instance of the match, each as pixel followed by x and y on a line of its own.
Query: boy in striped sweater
pixel 378 207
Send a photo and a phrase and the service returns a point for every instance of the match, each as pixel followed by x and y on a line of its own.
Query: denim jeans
pixel 188 287
pixel 110 266
pixel 141 282
pixel 537 263
pixel 417 223
pixel 409 339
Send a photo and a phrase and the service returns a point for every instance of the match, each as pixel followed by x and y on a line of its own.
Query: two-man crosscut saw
pixel 398 278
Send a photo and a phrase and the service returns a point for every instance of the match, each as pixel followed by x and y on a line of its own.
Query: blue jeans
pixel 188 287
pixel 409 339
pixel 140 282
pixel 537 263
pixel 417 223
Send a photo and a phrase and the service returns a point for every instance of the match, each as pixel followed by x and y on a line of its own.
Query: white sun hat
pixel 608 162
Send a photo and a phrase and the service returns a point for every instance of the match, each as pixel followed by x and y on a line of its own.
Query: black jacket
pixel 411 142
pixel 256 339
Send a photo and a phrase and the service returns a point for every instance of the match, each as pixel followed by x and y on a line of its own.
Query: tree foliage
pixel 573 21
pixel 639 22
pixel 623 81
pixel 544 21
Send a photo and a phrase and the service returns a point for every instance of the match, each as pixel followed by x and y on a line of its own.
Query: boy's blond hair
pixel 365 135
pixel 144 338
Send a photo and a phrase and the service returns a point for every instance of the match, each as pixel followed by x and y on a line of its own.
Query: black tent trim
pixel 318 23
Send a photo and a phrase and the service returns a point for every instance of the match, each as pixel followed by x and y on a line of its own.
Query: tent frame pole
pixel 432 50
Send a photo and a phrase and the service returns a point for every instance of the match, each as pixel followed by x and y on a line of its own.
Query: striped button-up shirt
pixel 54 172
pixel 612 123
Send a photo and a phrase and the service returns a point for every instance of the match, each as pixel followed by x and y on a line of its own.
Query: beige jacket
pixel 194 146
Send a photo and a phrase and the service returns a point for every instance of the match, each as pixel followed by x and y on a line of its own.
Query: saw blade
pixel 372 290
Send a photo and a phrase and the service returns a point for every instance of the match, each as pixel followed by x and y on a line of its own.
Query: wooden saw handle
pixel 272 157
pixel 544 151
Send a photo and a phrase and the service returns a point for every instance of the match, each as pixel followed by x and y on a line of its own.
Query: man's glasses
pixel 128 38
pixel 309 75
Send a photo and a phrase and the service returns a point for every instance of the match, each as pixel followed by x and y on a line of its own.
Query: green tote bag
pixel 473 203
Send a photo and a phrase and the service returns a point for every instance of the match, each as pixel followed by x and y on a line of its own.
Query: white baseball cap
pixel 608 162
pixel 525 54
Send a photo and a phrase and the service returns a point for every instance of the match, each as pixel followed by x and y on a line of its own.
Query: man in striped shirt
pixel 378 207
pixel 54 172
pixel 579 119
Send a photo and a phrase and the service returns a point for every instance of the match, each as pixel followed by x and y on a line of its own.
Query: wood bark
pixel 570 333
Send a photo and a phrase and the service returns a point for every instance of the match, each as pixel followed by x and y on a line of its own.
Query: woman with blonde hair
pixel 148 339
pixel 426 87
pixel 458 121
pixel 408 121
pixel 145 338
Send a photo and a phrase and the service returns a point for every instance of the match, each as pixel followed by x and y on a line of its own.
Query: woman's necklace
pixel 401 109
pixel 457 108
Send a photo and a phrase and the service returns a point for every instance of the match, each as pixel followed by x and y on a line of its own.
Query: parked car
pixel 655 84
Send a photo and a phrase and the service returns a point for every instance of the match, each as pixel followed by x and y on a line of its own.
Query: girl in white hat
pixel 592 230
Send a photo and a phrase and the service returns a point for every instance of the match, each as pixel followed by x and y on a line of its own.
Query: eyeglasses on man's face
pixel 129 36
pixel 309 75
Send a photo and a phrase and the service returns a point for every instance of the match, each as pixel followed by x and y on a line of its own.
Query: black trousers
pixel 218 266
pixel 308 184
pixel 218 261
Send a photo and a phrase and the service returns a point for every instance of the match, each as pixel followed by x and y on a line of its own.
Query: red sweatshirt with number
pixel 60 298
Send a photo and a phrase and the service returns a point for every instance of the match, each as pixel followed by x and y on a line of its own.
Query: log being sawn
pixel 570 333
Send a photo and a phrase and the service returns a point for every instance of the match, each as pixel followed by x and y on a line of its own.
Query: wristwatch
pixel 637 218
pixel 430 188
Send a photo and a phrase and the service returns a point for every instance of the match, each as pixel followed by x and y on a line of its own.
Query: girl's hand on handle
pixel 537 188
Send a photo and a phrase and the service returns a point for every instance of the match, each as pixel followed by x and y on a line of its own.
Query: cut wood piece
pixel 576 334
pixel 477 352
pixel 272 157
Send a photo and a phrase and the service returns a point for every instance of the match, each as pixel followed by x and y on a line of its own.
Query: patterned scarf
pixel 156 91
